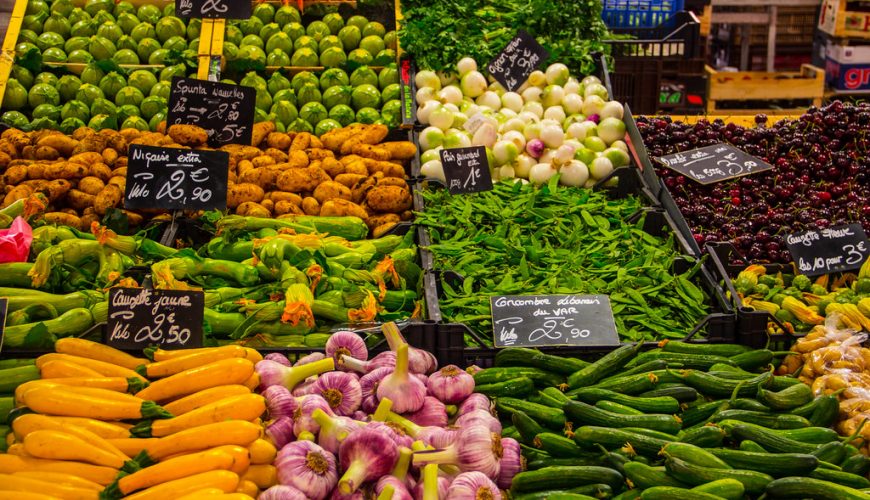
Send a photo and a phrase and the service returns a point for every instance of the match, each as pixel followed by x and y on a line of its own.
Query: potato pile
pixel 347 171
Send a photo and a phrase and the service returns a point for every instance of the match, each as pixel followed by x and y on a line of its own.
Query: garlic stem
pixel 297 374
pixel 383 410
pixel 445 456
pixel 410 427
pixel 400 471
pixel 430 482
pixel 305 436
pixel 393 335
pixel 354 364
pixel 387 492
pixel 402 360
pixel 352 478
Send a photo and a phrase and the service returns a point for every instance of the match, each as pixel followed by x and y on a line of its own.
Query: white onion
pixel 431 154
pixel 431 137
pixel 506 172
pixel 512 101
pixel 424 111
pixel 473 84
pixel 505 151
pixel 451 107
pixel 497 88
pixel 446 77
pixel 600 168
pixel 572 103
pixel 534 107
pixel 582 130
pixel 450 94
pixel 424 95
pixel 574 143
pixel 617 157
pixel 574 173
pixel 547 157
pixel 595 89
pixel 513 124
pixel 532 130
pixel 590 80
pixel 466 65
pixel 433 169
pixel 557 74
pixel 612 109
pixel 523 164
pixel 516 137
pixel 592 105
pixel 552 95
pixel 485 135
pixel 459 119
pixel 507 113
pixel 555 113
pixel 456 138
pixel 552 135
pixel 469 108
pixel 541 173
pixel 563 154
pixel 572 86
pixel 611 129
pixel 427 78
pixel 490 100
pixel 532 94
pixel 537 78
pixel 619 145
pixel 528 117
pixel 441 117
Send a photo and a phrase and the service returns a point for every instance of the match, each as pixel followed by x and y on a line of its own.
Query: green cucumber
pixel 699 413
pixel 694 455
pixel 540 377
pixel 750 445
pixel 617 408
pixel 857 464
pixel 723 388
pixel 643 476
pixel 588 491
pixel 812 435
pixel 649 366
pixel 805 487
pixel 651 433
pixel 511 432
pixel 540 463
pixel 769 420
pixel 706 436
pixel 521 356
pixel 577 411
pixel 609 363
pixel 558 446
pixel 565 477
pixel 531 453
pixel 826 412
pixel 729 489
pixel 775 464
pixel 665 404
pixel 671 493
pixel 526 426
pixel 589 436
pixel 726 350
pixel 747 404
pixel 786 399
pixel 696 361
pixel 517 387
pixel 779 383
pixel 833 452
pixel 552 418
pixel 634 384
pixel 553 397
pixel 695 475
pixel 7 403
pixel 767 438
pixel 753 360
pixel 841 478
pixel 680 392
pixel 629 495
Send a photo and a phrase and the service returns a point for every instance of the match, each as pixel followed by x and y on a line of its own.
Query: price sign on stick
pixel 513 65
pixel 466 170
pixel 225 111
pixel 176 179
pixel 142 317
pixel 715 163
pixel 830 250
pixel 553 320
pixel 214 9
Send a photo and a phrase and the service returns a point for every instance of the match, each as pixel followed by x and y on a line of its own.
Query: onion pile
pixel 553 124
pixel 398 429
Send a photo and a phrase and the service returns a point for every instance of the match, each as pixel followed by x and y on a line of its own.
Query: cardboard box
pixel 847 68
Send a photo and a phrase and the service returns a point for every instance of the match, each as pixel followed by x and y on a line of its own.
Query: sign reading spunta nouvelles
pixel 213 9
pixel 513 65
pixel 142 317
pixel 466 170
pixel 225 111
pixel 553 320
pixel 176 179
pixel 715 163
pixel 829 250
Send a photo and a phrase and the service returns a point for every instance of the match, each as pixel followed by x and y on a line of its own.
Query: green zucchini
pixel 540 377
pixel 526 426
pixel 558 446
pixel 10 378
pixel 665 404
pixel 609 363
pixel 680 392
pixel 857 464
pixel 840 477
pixel 691 361
pixel 671 493
pixel 16 362
pixel 565 477
pixel 700 413
pixel 753 360
pixel 614 407
pixel 643 476
pixel 805 487
pixel 769 420
pixel 706 436
pixel 812 435
pixel 750 445
pixel 775 464
pixel 589 436
pixel 729 489
pixel 694 455
pixel 7 403
pixel 747 404
pixel 826 412
pixel 726 350
pixel 521 356
pixel 516 387
pixel 723 388
pixel 552 418
pixel 695 475
pixel 786 399
pixel 577 411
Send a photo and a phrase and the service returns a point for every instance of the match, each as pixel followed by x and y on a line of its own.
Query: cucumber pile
pixel 680 421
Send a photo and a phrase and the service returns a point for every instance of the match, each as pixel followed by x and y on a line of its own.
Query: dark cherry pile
pixel 821 177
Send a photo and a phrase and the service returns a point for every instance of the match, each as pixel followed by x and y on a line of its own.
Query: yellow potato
pixel 242 192
pixel 331 189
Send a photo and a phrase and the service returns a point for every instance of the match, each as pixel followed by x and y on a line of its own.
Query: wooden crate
pixel 806 85
pixel 836 20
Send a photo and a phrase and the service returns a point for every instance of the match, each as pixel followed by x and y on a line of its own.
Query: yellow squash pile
pixel 107 423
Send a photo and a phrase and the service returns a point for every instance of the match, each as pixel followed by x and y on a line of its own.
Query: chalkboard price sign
pixel 225 111
pixel 466 170
pixel 829 250
pixel 142 317
pixel 213 9
pixel 715 163
pixel 176 179
pixel 553 320
pixel 513 65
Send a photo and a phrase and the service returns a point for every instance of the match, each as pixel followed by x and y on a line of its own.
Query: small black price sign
pixel 225 111
pixel 513 65
pixel 176 179
pixel 4 303
pixel 553 320
pixel 466 170
pixel 829 250
pixel 715 163
pixel 214 9
pixel 142 317
pixel 408 92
